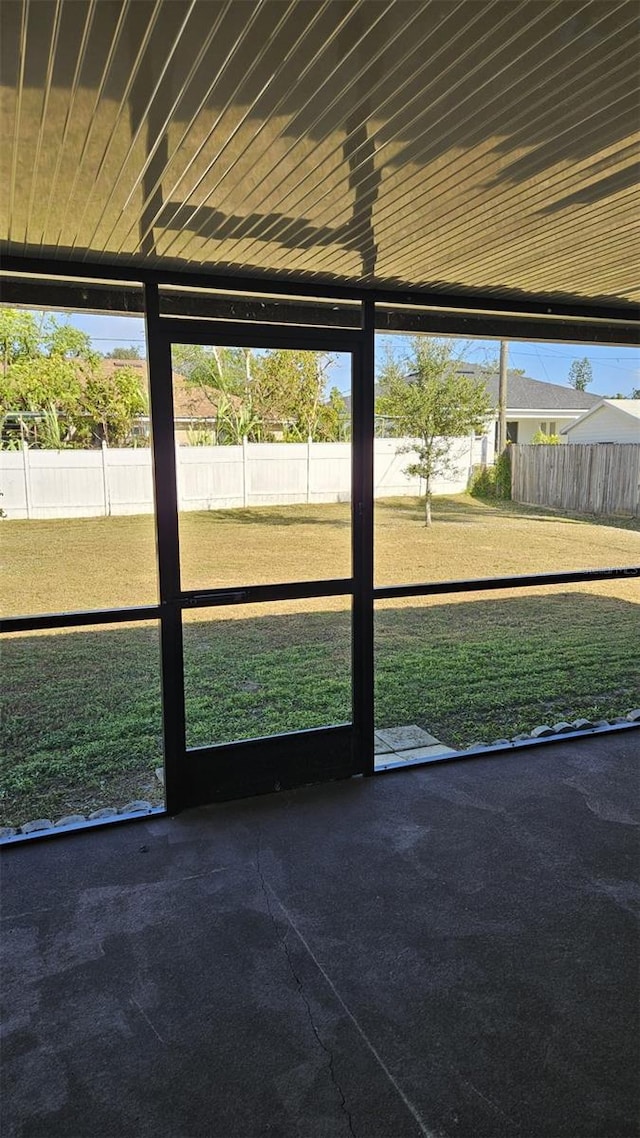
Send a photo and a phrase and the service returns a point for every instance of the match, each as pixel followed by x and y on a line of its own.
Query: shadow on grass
pixel 554 514
pixel 474 511
pixel 292 515
pixel 462 510
pixel 81 723
pixel 443 509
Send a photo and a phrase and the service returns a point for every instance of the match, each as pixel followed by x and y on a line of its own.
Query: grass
pixel 108 562
pixel 81 720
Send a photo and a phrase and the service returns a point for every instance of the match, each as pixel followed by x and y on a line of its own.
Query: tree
pixel 275 389
pixel 65 341
pixel 111 403
pixel 224 369
pixel 48 385
pixel 22 336
pixel 633 394
pixel 580 374
pixel 288 388
pixel 19 336
pixel 433 405
pixel 333 424
pixel 33 382
pixel 131 353
pixel 52 374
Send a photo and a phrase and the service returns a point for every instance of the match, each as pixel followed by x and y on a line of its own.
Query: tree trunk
pixel 247 380
pixel 427 508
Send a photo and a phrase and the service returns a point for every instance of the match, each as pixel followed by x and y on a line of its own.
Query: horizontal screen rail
pixel 495 326
pixel 179 330
pixel 480 584
pixel 301 590
pixel 259 742
pixel 43 621
pixel 254 594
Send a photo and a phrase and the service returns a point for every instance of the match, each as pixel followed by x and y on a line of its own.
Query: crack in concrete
pixel 421 1124
pixel 146 1017
pixel 494 1106
pixel 299 985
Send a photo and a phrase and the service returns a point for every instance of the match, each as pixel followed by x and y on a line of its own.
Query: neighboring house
pixel 195 407
pixel 533 405
pixel 610 421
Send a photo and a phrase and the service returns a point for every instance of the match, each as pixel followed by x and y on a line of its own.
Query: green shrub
pixel 546 440
pixel 493 482
pixel 483 482
pixel 503 475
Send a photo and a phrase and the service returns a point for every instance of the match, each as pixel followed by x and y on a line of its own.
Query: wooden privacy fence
pixel 589 478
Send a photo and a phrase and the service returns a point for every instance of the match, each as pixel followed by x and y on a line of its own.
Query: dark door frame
pixel 220 771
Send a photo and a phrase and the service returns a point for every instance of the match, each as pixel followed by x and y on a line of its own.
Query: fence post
pixel 178 473
pixel 27 477
pixel 245 459
pixel 105 480
pixel 308 469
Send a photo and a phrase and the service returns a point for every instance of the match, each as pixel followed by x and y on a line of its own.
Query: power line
pixel 599 360
pixel 543 366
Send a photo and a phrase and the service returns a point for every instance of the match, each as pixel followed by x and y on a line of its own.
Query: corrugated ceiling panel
pixel 487 145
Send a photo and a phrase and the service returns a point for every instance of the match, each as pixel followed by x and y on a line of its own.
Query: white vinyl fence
pixel 94 483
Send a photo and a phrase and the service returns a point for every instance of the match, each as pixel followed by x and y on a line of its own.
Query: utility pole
pixel 502 396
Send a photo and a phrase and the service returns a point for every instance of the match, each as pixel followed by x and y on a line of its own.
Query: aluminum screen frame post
pixel 363 404
pixel 168 549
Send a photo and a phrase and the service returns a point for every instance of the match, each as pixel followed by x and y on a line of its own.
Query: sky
pixel 615 370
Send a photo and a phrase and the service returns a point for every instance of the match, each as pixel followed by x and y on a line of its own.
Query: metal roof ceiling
pixel 484 146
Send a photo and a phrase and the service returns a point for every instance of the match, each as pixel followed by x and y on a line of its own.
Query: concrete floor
pixel 448 951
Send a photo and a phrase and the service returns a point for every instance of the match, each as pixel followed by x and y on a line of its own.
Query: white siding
pixel 606 425
pixel 527 428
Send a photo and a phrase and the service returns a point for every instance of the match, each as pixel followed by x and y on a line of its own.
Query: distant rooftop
pixel 190 400
pixel 624 406
pixel 524 393
pixel 629 406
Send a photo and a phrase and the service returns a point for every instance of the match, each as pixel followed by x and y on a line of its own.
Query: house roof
pixel 190 401
pixel 480 149
pixel 526 394
pixel 624 406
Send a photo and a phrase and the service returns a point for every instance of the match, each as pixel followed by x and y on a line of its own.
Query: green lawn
pixel 81 723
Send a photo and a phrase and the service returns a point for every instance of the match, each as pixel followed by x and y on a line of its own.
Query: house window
pixel 512 432
pixel 552 428
pixel 543 427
